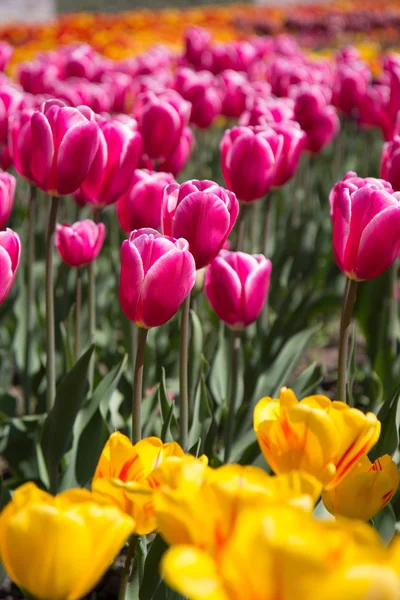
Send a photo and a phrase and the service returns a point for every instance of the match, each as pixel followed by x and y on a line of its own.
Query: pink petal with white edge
pixel 380 244
pixel 41 150
pixel 6 274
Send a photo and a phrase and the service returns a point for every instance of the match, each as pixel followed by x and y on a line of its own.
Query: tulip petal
pixel 81 141
pixel 41 150
pixel 223 290
pixel 255 291
pixel 131 279
pixel 379 243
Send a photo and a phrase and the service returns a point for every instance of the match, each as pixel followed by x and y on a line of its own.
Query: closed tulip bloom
pixel 49 143
pixel 352 183
pixel 203 213
pixel 365 231
pixel 125 476
pixel 390 163
pixel 157 274
pixel 140 206
pixel 80 243
pixel 200 89
pixel 176 161
pixel 6 52
pixel 314 114
pixel 116 159
pixel 367 489
pixel 350 85
pixel 324 438
pixel 10 252
pixel 7 191
pixel 294 142
pixel 82 538
pixel 236 90
pixel 162 121
pixel 236 286
pixel 249 160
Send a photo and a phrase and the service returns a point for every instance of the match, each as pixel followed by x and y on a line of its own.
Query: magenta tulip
pixel 236 92
pixel 117 157
pixel 157 274
pixel 350 85
pixel 390 163
pixel 352 182
pixel 140 206
pixel 6 52
pixel 200 89
pixel 366 230
pixel 7 192
pixel 10 252
pixel 80 243
pixel 162 121
pixel 249 158
pixel 203 213
pixel 236 285
pixel 176 161
pixel 56 147
pixel 294 142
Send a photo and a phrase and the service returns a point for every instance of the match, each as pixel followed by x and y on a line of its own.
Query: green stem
pixel 267 211
pixel 183 375
pixel 230 425
pixel 50 329
pixel 92 317
pixel 241 228
pixel 345 321
pixel 394 306
pixel 138 386
pixel 78 313
pixel 127 567
pixel 30 294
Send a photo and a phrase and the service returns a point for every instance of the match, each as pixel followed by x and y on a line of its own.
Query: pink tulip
pixel 236 91
pixel 10 252
pixel 6 52
pixel 7 191
pixel 350 85
pixel 35 76
pixel 366 230
pixel 236 285
pixel 201 90
pixel 294 142
pixel 140 206
pixel 203 213
pixel 117 157
pixel 176 161
pixel 157 274
pixel 162 122
pixel 249 158
pixel 352 183
pixel 390 163
pixel 263 112
pixel 80 243
pixel 196 41
pixel 56 147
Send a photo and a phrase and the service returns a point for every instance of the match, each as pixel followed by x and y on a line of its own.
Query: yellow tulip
pixel 280 552
pixel 58 547
pixel 365 491
pixel 124 475
pixel 322 437
pixel 187 487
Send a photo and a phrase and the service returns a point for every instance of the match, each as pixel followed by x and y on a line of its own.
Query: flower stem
pixel 230 425
pixel 183 375
pixel 394 307
pixel 345 320
pixel 78 313
pixel 267 211
pixel 127 567
pixel 30 293
pixel 50 329
pixel 241 228
pixel 138 386
pixel 92 317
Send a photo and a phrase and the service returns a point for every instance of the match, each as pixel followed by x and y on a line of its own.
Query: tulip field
pixel 199 305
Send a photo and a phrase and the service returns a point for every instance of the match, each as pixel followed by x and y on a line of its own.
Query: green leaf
pixel 167 414
pixel 385 523
pixel 90 432
pixel 5 495
pixel 195 350
pixel 220 369
pixel 308 381
pixel 389 438
pixel 57 430
pixel 202 415
pixel 151 576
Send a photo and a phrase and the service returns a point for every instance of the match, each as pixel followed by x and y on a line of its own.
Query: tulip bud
pixel 365 230
pixel 140 206
pixel 200 90
pixel 7 191
pixel 48 144
pixel 116 159
pixel 390 163
pixel 162 121
pixel 294 142
pixel 157 274
pixel 203 213
pixel 236 286
pixel 350 85
pixel 83 534
pixel 80 243
pixel 367 489
pixel 6 52
pixel 249 159
pixel 352 183
pixel 322 437
pixel 10 252
pixel 176 161
pixel 236 92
